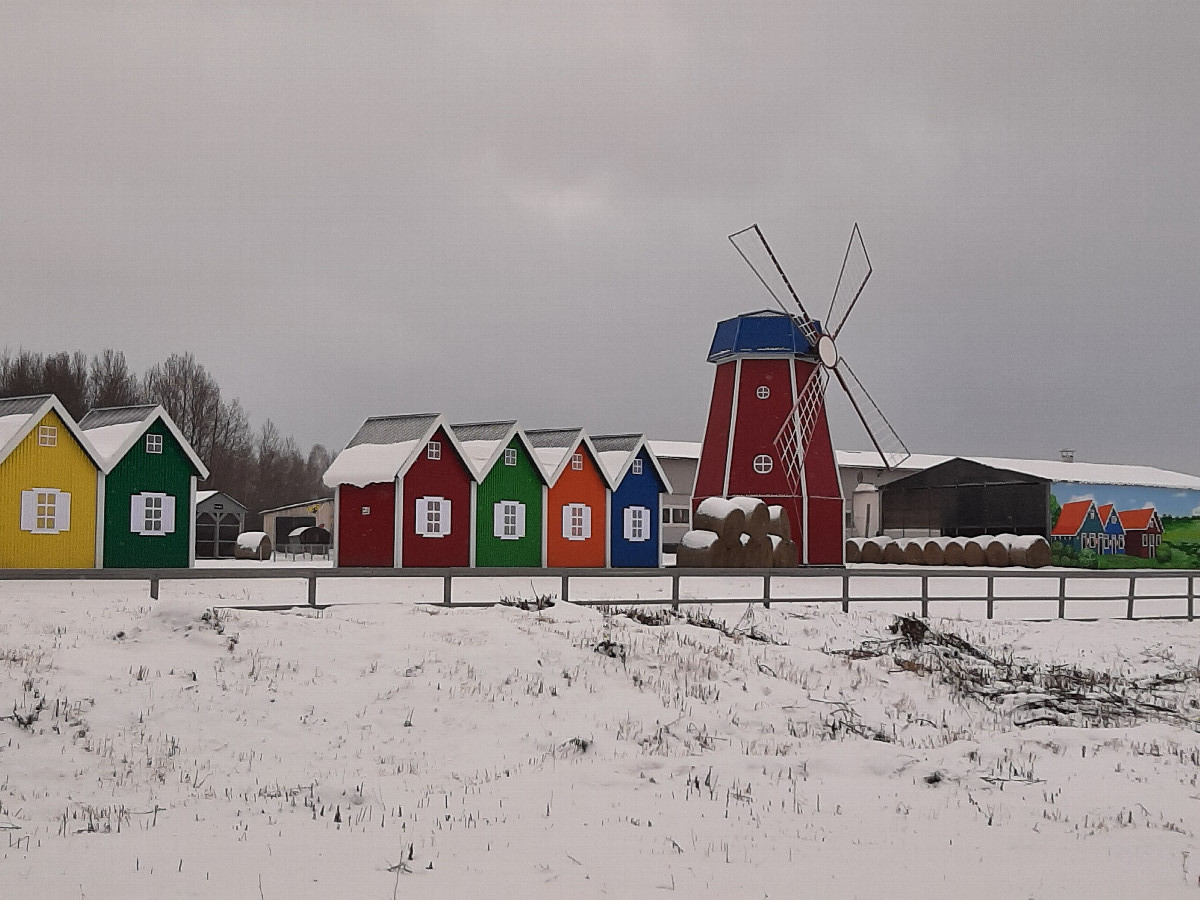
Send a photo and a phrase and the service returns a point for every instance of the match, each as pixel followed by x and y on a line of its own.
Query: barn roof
pixel 384 447
pixel 114 430
pixel 766 331
pixel 616 453
pixel 1071 517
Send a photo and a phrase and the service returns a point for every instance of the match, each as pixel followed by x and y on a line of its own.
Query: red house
pixel 1143 531
pixel 402 495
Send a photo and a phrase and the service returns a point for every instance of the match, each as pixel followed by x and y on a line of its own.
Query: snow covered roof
pixel 201 496
pixel 616 453
pixel 675 449
pixel 114 430
pixel 19 416
pixel 483 442
pixel 384 448
pixel 205 496
pixel 553 448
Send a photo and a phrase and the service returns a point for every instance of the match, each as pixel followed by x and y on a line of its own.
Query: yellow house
pixel 51 486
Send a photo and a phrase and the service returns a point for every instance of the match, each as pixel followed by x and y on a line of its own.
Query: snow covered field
pixel 404 750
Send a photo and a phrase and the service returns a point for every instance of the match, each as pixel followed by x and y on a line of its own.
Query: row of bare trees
pixel 262 468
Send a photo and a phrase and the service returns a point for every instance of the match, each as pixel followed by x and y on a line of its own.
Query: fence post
pixel 1129 604
pixel 153 587
pixel 447 590
pixel 766 592
pixel 312 589
pixel 1062 596
pixel 566 594
pixel 675 591
pixel 1191 596
pixel 924 596
pixel 991 595
pixel 845 593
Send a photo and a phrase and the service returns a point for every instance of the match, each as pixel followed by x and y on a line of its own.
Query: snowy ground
pixel 402 750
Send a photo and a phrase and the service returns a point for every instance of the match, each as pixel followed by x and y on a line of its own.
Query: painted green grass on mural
pixel 1178 530
pixel 1117 561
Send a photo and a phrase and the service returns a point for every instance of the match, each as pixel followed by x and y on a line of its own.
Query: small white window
pixel 763 464
pixel 510 456
pixel 152 513
pixel 432 517
pixel 154 443
pixel 637 523
pixel 47 435
pixel 366 510
pixel 508 520
pixel 434 450
pixel 577 522
pixel 637 467
pixel 45 511
pixel 763 392
pixel 682 515
pixel 577 462
pixel 666 515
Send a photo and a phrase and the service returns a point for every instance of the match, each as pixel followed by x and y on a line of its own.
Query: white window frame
pixel 152 514
pixel 154 443
pixel 432 519
pixel 636 468
pixel 508 520
pixel 433 450
pixel 577 521
pixel 762 392
pixel 763 464
pixel 47 436
pixel 637 524
pixel 45 511
pixel 510 456
pixel 577 462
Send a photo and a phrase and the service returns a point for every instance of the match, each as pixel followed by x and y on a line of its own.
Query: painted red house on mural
pixel 402 495
pixel 1143 531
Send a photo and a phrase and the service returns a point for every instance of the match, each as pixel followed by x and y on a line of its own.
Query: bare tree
pixel 110 383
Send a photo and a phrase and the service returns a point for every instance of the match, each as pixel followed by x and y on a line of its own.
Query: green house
pixel 149 487
pixel 509 494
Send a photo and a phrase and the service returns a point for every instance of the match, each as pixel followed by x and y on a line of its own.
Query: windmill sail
pixel 795 435
pixel 757 253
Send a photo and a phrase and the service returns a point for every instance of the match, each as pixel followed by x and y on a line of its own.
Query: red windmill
pixel 767 434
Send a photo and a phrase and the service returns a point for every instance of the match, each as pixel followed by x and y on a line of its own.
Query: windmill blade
pixel 757 253
pixel 888 444
pixel 795 435
pixel 855 273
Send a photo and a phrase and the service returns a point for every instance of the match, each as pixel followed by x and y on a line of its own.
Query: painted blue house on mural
pixel 1079 526
pixel 1113 541
pixel 638 483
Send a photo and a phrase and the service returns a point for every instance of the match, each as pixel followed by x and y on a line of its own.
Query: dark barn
pixel 961 498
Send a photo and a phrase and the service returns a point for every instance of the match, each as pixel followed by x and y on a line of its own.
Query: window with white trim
pixel 510 456
pixel 666 515
pixel 432 517
pixel 637 523
pixel 763 392
pixel 681 515
pixel 636 468
pixel 47 435
pixel 508 520
pixel 577 522
pixel 45 511
pixel 763 464
pixel 577 462
pixel 154 443
pixel 434 450
pixel 152 513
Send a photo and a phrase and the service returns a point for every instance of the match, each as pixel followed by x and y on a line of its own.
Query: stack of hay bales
pixel 995 551
pixel 741 532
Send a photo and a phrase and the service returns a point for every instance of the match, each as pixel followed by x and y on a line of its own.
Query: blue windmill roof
pixel 762 332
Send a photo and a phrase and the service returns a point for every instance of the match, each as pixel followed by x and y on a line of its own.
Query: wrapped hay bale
pixel 871 550
pixel 954 552
pixel 780 524
pixel 785 553
pixel 1031 550
pixel 973 553
pixel 893 553
pixel 252 545
pixel 995 549
pixel 696 550
pixel 913 551
pixel 853 549
pixel 758 519
pixel 757 553
pixel 721 516
pixel 934 550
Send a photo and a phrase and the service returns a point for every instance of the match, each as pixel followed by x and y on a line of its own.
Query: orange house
pixel 576 519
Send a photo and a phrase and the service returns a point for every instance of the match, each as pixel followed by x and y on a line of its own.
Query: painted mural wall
pixel 1109 526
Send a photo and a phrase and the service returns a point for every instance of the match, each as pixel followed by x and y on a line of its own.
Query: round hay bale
pixel 732 555
pixel 853 549
pixel 995 550
pixel 695 550
pixel 955 552
pixel 252 545
pixel 1032 551
pixel 973 553
pixel 780 524
pixel 758 519
pixel 757 553
pixel 913 551
pixel 934 552
pixel 871 550
pixel 786 554
pixel 893 553
pixel 722 517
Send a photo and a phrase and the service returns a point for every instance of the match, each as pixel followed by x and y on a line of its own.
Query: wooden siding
pixel 523 484
pixel 169 472
pixel 64 467
pixel 584 486
pixel 636 490
pixel 366 539
pixel 447 477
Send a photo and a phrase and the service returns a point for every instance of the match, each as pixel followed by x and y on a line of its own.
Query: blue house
pixel 638 483
pixel 1079 526
pixel 1114 534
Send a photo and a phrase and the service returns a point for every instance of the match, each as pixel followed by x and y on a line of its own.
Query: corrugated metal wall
pixel 521 483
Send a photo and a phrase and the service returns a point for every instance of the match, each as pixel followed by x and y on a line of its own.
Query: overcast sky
pixel 501 210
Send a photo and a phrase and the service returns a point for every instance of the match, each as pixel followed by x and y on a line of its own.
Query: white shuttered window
pixel 508 520
pixel 637 523
pixel 577 522
pixel 432 517
pixel 45 511
pixel 152 513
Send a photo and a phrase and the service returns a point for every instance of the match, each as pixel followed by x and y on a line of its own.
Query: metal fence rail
pixel 905 587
